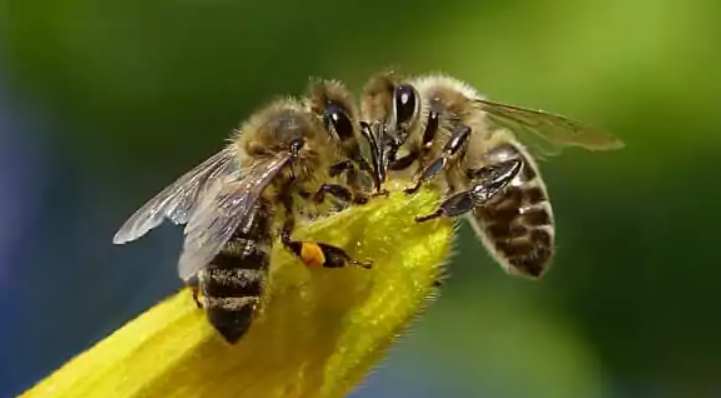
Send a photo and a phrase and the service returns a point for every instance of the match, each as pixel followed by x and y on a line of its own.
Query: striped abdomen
pixel 517 225
pixel 231 286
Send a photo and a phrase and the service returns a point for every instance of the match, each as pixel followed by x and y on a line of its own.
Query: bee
pixel 437 126
pixel 235 203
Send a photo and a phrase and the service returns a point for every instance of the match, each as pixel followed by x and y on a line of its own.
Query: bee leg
pixel 317 254
pixel 450 150
pixel 496 176
pixel 313 254
pixel 429 135
pixel 340 192
pixel 490 180
pixel 194 284
pixel 404 162
pixel 454 206
pixel 340 167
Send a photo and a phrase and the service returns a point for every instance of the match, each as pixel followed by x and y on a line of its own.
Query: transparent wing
pixel 548 133
pixel 227 204
pixel 177 201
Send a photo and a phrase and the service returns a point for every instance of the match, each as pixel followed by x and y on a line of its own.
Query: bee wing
pixel 546 132
pixel 177 202
pixel 226 206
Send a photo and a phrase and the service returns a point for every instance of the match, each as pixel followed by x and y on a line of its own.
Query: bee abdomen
pixel 232 286
pixel 520 230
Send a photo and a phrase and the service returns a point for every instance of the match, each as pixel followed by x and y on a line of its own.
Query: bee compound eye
pixel 405 102
pixel 336 118
pixel 296 145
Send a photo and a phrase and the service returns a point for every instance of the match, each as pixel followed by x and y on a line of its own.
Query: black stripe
pixel 541 238
pixel 502 231
pixel 226 259
pixel 245 254
pixel 537 217
pixel 500 215
pixel 534 195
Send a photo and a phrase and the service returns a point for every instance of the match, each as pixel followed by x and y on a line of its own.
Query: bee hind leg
pixel 489 181
pixel 314 254
pixel 318 254
pixel 453 206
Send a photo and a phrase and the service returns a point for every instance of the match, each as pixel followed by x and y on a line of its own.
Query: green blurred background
pixel 102 103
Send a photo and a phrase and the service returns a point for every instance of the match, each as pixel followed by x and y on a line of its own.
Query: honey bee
pixel 437 125
pixel 235 203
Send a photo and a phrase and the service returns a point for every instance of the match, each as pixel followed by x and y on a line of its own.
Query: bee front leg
pixel 313 254
pixel 489 181
pixel 450 150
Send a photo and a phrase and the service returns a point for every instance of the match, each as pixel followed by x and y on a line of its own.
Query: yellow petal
pixel 322 330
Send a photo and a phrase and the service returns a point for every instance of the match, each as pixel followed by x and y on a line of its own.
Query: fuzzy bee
pixel 235 203
pixel 438 128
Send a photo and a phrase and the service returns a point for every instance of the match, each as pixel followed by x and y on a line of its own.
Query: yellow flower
pixel 322 330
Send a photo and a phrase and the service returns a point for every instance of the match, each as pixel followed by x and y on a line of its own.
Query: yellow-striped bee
pixel 437 126
pixel 235 203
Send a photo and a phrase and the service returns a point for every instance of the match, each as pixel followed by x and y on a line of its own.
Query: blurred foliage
pixel 138 92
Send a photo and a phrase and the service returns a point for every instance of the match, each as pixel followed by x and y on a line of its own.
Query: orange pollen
pixel 312 255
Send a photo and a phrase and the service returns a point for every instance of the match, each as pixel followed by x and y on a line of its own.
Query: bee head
pixel 391 106
pixel 334 105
